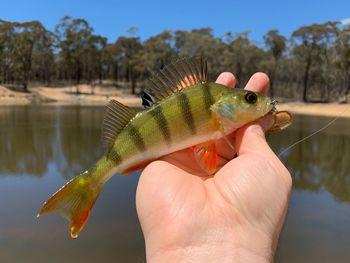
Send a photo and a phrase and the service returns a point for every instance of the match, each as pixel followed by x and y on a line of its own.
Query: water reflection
pixel 321 162
pixel 53 144
pixel 41 147
pixel 32 138
pixel 317 225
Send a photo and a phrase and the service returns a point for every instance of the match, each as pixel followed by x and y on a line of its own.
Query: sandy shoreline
pixel 102 95
pixel 316 109
pixel 67 96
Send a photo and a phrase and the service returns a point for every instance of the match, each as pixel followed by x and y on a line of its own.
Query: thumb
pixel 251 137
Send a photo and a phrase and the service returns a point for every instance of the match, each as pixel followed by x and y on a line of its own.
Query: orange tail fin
pixel 75 201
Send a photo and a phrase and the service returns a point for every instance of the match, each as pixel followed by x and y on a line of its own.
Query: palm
pixel 178 203
pixel 185 159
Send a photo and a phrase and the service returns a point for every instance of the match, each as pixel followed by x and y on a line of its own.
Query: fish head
pixel 239 107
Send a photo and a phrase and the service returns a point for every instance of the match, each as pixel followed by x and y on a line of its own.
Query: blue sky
pixel 113 18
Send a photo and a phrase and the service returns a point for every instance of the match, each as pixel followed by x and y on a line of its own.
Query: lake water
pixel 43 147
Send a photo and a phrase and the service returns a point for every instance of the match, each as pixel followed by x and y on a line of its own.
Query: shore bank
pixel 100 96
pixel 88 95
pixel 317 109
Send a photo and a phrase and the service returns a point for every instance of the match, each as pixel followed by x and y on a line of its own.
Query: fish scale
pixel 163 126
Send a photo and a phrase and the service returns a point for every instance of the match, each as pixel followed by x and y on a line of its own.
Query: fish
pixel 182 110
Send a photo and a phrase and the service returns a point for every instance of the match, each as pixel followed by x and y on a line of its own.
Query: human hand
pixel 234 216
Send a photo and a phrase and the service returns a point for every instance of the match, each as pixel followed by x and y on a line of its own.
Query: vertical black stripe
pixel 137 138
pixel 162 123
pixel 186 112
pixel 207 98
pixel 114 156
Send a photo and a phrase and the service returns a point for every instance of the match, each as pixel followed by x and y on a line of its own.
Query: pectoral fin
pixel 206 156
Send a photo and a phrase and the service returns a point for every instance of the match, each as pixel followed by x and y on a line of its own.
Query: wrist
pixel 255 251
pixel 206 254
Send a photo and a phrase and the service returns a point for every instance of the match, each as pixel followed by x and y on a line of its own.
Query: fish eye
pixel 250 97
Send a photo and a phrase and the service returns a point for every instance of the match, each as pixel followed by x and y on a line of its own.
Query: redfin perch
pixel 182 111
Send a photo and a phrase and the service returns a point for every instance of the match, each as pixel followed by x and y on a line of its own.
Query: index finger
pixel 259 82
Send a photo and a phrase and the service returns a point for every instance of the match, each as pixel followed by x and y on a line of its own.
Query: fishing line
pixel 314 133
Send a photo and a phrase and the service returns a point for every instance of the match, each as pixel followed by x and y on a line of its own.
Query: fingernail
pixel 222 78
pixel 226 78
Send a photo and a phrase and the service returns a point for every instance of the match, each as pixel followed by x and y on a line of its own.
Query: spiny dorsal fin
pixel 117 116
pixel 176 76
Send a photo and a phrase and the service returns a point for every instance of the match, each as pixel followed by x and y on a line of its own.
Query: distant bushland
pixel 313 64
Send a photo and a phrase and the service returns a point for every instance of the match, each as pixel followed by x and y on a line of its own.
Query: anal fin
pixel 206 156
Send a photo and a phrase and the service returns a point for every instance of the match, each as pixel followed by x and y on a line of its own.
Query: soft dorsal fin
pixel 176 76
pixel 117 116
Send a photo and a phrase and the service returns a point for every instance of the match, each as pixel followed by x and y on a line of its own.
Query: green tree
pixel 96 58
pixel 31 40
pixel 156 52
pixel 343 56
pixel 311 44
pixel 74 37
pixel 242 56
pixel 126 51
pixel 317 61
pixel 7 42
pixel 201 42
pixel 43 58
pixel 276 45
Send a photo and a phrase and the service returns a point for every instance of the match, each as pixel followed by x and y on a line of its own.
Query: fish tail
pixel 76 199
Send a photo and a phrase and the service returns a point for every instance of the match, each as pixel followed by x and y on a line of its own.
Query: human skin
pixel 235 215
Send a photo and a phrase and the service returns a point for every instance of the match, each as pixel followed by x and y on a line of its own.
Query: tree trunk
pixel 347 92
pixel 128 74
pixel 78 78
pixel 306 79
pixel 133 85
pixel 348 85
pixel 25 87
pixel 100 76
pixel 25 80
pixel 115 72
pixel 272 80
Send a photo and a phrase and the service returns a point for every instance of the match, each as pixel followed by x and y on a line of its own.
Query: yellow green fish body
pixel 183 111
pixel 182 120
